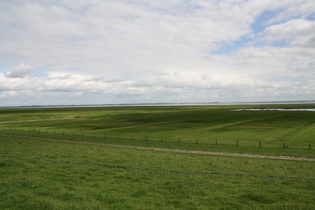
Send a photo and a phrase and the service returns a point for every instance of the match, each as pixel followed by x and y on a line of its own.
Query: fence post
pixel 283 145
pixel 196 141
pixel 236 143
pixel 216 142
pixel 178 140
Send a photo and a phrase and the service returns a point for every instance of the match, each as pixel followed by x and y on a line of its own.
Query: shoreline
pixel 165 104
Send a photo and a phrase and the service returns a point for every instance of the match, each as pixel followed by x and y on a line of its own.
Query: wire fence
pixel 115 136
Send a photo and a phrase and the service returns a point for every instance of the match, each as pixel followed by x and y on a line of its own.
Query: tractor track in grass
pixel 170 150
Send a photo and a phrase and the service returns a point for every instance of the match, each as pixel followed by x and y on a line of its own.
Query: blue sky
pixel 136 51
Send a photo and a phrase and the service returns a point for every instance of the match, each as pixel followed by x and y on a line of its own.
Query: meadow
pixel 44 165
pixel 185 124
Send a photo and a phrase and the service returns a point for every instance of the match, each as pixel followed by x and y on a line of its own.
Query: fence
pixel 146 138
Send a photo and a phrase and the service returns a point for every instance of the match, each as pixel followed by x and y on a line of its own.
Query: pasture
pixel 195 124
pixel 59 158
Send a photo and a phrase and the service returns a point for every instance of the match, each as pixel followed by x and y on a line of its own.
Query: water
pixel 291 110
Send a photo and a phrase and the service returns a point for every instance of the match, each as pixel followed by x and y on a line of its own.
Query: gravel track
pixel 172 150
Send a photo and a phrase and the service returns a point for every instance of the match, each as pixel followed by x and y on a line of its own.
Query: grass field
pixel 40 170
pixel 202 124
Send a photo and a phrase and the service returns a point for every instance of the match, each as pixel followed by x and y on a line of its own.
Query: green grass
pixel 37 174
pixel 186 145
pixel 205 124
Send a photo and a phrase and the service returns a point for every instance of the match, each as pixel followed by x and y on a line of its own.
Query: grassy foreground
pixel 38 174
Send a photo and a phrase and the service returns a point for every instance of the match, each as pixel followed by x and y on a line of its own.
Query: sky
pixel 74 52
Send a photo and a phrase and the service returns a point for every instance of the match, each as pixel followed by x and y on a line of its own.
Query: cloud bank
pixel 88 52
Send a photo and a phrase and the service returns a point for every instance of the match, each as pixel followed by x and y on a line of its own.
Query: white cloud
pixel 21 71
pixel 293 9
pixel 154 50
pixel 297 32
pixel 118 30
pixel 6 94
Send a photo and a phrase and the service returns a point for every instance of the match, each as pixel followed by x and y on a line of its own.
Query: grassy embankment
pixel 37 174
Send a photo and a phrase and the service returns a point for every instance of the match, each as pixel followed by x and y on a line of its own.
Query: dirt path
pixel 171 150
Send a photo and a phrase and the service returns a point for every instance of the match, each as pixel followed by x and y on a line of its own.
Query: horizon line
pixel 163 104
